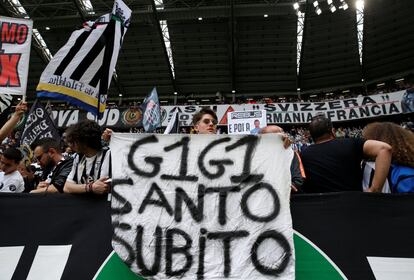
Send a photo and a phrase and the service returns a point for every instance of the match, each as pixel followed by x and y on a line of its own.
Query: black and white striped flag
pixel 5 105
pixel 5 101
pixel 81 71
pixel 173 125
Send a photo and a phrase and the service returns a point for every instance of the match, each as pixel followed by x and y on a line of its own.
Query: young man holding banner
pixel 205 121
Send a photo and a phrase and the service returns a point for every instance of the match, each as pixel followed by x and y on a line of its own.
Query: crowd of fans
pixel 301 137
pixel 80 163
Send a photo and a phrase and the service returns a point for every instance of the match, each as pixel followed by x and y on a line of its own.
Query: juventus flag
pixel 80 72
pixel 38 125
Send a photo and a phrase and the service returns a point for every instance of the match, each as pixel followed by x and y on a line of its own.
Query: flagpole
pixel 99 103
pixel 28 61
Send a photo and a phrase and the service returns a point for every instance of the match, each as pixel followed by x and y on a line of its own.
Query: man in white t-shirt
pixel 91 167
pixel 10 178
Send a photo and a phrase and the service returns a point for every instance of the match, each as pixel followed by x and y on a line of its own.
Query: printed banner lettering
pixel 246 122
pixel 15 40
pixel 350 109
pixel 202 206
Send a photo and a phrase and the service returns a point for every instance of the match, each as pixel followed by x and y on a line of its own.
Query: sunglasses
pixel 207 121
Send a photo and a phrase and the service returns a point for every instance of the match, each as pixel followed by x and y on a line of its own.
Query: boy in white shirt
pixel 10 178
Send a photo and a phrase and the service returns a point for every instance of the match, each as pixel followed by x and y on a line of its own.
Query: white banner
pixel 202 206
pixel 372 106
pixel 16 37
pixel 246 122
pixel 290 113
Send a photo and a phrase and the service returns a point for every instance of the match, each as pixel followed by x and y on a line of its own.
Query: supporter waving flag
pixel 81 71
pixel 151 112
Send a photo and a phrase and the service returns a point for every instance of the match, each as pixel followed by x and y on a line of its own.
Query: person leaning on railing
pixel 91 166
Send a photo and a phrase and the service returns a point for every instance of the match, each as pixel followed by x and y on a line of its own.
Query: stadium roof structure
pixel 246 47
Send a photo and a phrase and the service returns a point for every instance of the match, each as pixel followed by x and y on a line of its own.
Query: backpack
pixel 401 178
